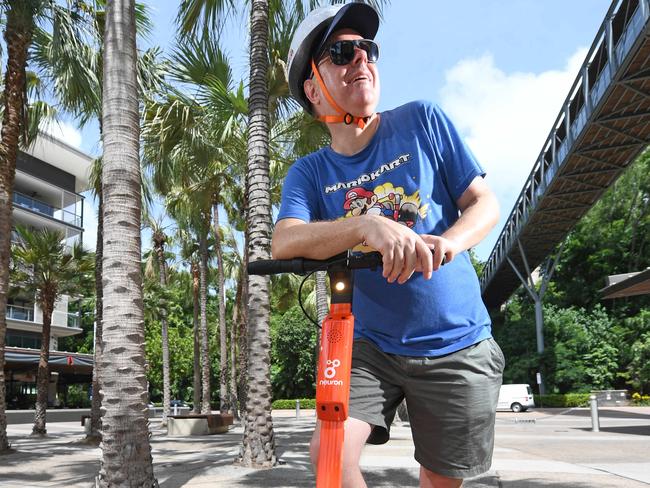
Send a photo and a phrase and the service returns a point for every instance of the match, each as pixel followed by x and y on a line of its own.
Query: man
pixel 421 330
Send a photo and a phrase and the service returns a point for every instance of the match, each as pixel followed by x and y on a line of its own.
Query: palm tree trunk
pixel 258 448
pixel 197 343
pixel 234 402
pixel 126 451
pixel 224 404
pixel 95 408
pixel 205 346
pixel 43 377
pixel 18 36
pixel 162 265
pixel 242 380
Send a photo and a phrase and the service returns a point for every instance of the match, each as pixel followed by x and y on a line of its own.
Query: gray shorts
pixel 451 402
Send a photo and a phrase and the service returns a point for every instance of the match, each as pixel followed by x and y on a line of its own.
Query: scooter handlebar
pixel 301 266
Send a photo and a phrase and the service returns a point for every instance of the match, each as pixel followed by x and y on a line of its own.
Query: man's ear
pixel 311 91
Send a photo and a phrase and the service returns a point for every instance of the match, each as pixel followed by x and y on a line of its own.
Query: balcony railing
pixel 59 319
pixel 70 319
pixel 18 312
pixel 43 208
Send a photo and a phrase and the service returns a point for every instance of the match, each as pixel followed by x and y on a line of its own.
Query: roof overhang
pixel 23 359
pixel 63 156
pixel 627 285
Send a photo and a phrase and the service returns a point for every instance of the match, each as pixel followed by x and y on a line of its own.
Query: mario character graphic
pixel 384 200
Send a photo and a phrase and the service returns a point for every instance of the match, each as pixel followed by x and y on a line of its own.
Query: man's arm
pixel 402 249
pixel 479 213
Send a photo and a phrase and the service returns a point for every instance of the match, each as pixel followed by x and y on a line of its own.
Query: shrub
pixel 291 404
pixel 567 400
pixel 640 400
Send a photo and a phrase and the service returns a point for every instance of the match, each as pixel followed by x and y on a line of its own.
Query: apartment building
pixel 50 177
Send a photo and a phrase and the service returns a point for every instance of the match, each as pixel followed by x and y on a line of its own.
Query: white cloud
pixel 505 118
pixel 63 131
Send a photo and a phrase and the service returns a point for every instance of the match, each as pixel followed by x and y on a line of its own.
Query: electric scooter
pixel 335 358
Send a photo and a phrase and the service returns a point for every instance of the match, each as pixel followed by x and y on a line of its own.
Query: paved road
pixel 548 448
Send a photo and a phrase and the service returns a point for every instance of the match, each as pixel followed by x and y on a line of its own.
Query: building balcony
pixel 17 312
pixel 30 318
pixel 69 217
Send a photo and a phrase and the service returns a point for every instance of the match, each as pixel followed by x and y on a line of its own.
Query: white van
pixel 517 398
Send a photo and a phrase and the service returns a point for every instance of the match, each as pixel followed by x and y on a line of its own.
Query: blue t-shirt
pixel 413 171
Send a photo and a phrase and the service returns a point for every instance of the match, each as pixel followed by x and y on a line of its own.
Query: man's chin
pixel 365 109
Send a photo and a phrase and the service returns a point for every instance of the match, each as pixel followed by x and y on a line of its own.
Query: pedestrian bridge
pixel 603 125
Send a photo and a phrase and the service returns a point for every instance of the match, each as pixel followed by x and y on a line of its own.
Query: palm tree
pixel 258 447
pixel 19 28
pixel 126 451
pixel 43 267
pixel 188 253
pixel 69 65
pixel 95 414
pixel 196 208
pixel 192 139
pixel 159 238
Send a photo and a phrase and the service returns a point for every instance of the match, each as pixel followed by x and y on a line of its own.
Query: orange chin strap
pixel 343 117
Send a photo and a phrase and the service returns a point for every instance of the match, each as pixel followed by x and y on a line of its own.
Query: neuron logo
pixel 330 370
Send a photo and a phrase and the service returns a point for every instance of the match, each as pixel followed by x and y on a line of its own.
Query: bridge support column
pixel 537 295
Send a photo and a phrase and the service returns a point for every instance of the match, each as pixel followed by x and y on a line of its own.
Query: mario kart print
pixel 385 200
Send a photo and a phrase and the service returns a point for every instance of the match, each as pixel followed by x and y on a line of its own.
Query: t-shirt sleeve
pixel 299 198
pixel 458 164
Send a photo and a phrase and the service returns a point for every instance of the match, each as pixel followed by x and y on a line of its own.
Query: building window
pixel 23 339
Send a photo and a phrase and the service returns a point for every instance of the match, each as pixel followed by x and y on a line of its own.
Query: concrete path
pixel 545 448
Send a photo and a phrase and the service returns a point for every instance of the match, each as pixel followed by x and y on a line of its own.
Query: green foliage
pixel 581 348
pixel 639 366
pixel 77 396
pixel 558 401
pixel 293 355
pixel 309 403
pixel 180 335
pixel 612 238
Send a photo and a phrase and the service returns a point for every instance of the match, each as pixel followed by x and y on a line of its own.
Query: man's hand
pixel 441 246
pixel 403 250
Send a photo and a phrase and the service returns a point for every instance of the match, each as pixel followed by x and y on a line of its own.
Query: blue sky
pixel 500 69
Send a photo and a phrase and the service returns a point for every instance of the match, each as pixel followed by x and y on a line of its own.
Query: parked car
pixel 517 398
pixel 177 403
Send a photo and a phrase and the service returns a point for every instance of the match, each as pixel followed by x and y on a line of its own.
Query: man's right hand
pixel 402 249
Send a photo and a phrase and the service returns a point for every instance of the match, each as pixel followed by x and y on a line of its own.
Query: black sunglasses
pixel 342 52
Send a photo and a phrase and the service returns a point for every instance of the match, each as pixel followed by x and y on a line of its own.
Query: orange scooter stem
pixel 333 392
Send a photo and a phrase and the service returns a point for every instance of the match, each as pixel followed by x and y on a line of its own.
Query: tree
pixel 43 268
pixel 612 238
pixel 293 355
pixel 188 251
pixel 126 451
pixel 19 28
pixel 73 72
pixel 159 239
pixel 639 367
pixel 258 448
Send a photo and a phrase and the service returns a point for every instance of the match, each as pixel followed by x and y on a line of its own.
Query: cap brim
pixel 357 16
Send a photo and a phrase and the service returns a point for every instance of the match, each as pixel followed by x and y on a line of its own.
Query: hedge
pixel 552 400
pixel 291 404
pixel 563 400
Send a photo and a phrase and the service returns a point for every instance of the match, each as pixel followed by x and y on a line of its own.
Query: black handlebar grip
pixel 298 266
pixel 275 266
